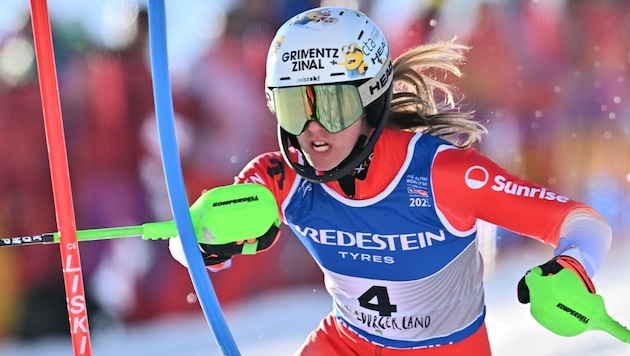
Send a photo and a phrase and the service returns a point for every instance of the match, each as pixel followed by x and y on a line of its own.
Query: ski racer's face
pixel 324 150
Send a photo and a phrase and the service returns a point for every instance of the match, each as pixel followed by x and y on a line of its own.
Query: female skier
pixel 378 179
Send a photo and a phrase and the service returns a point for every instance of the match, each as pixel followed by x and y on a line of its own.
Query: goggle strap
pixel 374 88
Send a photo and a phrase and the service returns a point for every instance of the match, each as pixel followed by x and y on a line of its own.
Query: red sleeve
pixel 270 170
pixel 469 186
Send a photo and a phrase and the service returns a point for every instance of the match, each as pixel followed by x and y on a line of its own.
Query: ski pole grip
pixel 224 215
pixel 234 213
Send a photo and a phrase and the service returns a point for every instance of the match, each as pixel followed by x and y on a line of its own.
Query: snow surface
pixel 277 323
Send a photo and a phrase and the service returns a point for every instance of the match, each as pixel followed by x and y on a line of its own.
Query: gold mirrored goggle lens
pixel 334 106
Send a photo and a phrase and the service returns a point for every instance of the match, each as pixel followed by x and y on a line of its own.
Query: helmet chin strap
pixel 306 170
pixel 348 181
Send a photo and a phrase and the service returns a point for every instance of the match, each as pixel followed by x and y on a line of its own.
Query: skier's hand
pixel 217 254
pixel 216 257
pixel 552 267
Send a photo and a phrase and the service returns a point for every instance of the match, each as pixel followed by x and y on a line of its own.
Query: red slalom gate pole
pixel 60 176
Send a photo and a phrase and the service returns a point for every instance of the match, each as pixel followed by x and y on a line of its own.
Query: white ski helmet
pixel 332 65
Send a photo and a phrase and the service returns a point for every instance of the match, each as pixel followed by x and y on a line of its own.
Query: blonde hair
pixel 422 103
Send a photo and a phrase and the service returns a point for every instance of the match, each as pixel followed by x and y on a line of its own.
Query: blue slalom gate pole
pixel 162 97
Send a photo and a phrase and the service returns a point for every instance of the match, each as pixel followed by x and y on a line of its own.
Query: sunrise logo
pixel 476 177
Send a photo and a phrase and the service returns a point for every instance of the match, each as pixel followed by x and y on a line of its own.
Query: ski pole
pixel 220 215
pixel 562 304
pixel 81 235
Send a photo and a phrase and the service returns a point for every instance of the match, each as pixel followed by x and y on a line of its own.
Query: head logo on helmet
pixel 332 46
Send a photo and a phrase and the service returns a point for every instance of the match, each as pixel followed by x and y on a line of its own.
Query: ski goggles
pixel 334 106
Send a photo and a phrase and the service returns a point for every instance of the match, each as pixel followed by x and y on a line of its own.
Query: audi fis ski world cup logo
pixel 477 177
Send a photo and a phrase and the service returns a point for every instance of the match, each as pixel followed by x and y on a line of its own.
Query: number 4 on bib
pixel 379 295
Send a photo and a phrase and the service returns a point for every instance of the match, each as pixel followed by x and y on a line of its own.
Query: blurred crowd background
pixel 549 78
